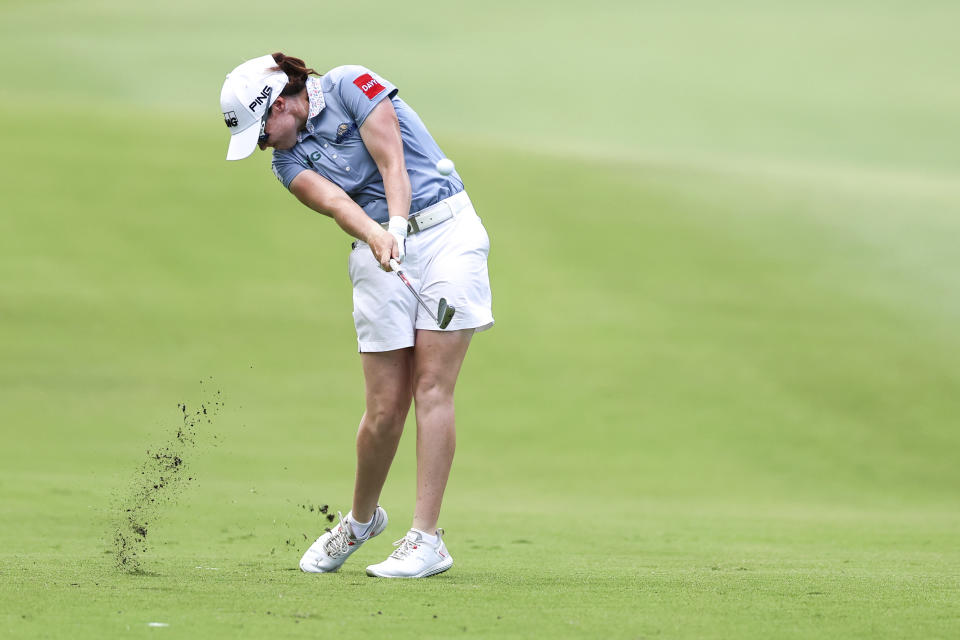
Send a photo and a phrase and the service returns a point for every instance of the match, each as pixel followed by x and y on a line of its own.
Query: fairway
pixel 722 398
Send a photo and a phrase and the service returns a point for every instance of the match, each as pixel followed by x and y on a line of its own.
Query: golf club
pixel 445 311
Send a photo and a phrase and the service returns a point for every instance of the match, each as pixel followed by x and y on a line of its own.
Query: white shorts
pixel 448 260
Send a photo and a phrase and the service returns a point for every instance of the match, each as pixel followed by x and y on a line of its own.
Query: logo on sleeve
pixel 368 85
pixel 230 117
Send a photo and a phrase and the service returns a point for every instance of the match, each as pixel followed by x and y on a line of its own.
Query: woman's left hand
pixel 384 246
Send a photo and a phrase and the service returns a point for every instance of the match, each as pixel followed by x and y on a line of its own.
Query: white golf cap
pixel 247 94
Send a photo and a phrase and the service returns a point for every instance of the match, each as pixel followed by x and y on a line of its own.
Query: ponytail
pixel 297 72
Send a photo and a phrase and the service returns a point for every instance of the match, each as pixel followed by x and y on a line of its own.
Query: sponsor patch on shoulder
pixel 369 85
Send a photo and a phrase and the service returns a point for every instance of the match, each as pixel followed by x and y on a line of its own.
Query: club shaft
pixel 414 292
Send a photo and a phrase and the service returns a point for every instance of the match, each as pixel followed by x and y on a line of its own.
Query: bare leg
pixel 437 358
pixel 388 395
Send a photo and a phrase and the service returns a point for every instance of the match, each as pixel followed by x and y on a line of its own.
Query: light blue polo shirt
pixel 331 144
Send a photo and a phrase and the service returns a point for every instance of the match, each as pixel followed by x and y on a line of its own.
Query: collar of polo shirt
pixel 315 97
pixel 315 101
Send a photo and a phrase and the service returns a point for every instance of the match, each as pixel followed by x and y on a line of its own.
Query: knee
pixel 384 419
pixel 431 391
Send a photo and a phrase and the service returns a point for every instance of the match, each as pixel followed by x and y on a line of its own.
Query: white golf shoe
pixel 414 558
pixel 333 548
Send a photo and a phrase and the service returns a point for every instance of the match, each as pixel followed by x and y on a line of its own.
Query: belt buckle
pixel 412 225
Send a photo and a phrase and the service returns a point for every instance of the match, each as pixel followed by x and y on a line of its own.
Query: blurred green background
pixel 722 397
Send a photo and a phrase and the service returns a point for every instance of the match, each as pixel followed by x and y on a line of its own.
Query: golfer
pixel 347 147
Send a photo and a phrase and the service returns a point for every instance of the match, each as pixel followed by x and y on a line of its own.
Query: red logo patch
pixel 368 85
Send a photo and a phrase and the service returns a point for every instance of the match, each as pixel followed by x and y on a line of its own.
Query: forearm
pixel 336 204
pixel 354 220
pixel 383 140
pixel 396 185
pixel 323 196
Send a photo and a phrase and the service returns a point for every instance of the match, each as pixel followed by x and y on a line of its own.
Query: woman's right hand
pixel 384 246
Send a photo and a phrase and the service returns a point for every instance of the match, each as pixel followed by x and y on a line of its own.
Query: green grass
pixel 721 399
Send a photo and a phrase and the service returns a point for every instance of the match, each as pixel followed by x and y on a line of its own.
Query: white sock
pixel 426 536
pixel 360 529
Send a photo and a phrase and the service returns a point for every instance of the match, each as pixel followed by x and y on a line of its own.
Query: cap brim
pixel 243 144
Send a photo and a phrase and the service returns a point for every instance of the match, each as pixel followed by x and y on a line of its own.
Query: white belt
pixel 435 214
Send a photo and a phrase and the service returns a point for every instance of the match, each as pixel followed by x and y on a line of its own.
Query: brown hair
pixel 297 72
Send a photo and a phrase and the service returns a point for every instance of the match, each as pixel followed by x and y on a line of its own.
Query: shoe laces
pixel 404 546
pixel 339 538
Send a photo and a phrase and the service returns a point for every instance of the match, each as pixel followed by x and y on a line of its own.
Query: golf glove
pixel 398 227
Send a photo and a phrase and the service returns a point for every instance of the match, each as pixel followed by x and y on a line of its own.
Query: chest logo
pixel 370 87
pixel 345 131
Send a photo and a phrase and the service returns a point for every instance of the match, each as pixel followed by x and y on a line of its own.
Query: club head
pixel 445 313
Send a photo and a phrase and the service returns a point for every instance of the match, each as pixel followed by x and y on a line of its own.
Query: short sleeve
pixel 361 90
pixel 286 166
